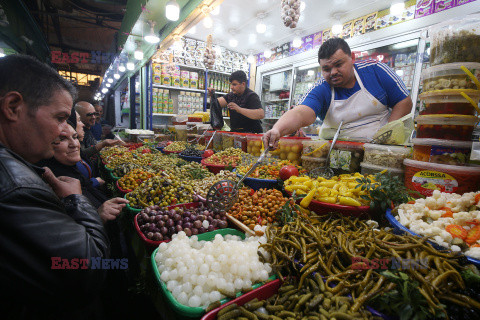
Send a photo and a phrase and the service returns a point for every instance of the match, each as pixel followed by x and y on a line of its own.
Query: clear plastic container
pixel 254 144
pixel 448 102
pixel 181 132
pixel 425 177
pixel 447 127
pixel 290 148
pixel 456 40
pixel 315 148
pixel 217 141
pixel 368 168
pixel 346 157
pixel 208 136
pixel 442 151
pixel 192 127
pixel 227 140
pixel 385 155
pixel 310 163
pixel 240 141
pixel 450 76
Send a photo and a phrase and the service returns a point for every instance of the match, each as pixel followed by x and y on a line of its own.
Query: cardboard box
pixel 441 5
pixel 327 34
pixel 347 30
pixel 371 21
pixel 424 8
pixel 358 27
pixel 194 80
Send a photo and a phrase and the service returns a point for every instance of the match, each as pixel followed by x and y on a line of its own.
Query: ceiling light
pixel 252 38
pixel 121 68
pixel 251 58
pixel 104 90
pixel 192 30
pixel 261 27
pixel 267 54
pixel 116 76
pixel 130 66
pixel 207 21
pixel 152 37
pixel 302 6
pixel 138 54
pixel 108 85
pixel 233 43
pixel 337 28
pixel 172 10
pixel 216 11
pixel 218 50
pixel 297 42
pixel 110 80
pixel 397 7
pixel 2 53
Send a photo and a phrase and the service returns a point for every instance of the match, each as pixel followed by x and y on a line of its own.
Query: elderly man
pixel 46 225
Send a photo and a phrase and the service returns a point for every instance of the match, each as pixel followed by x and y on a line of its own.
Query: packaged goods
pixel 157 68
pixel 227 140
pixel 385 155
pixel 192 128
pixel 166 80
pixel 290 148
pixel 450 76
pixel 194 80
pixel 346 157
pixel 157 79
pixel 315 148
pixel 426 177
pixel 181 131
pixel 442 151
pixel 368 168
pixel 449 102
pixel 255 144
pixel 448 127
pixel 310 163
pixel 185 79
pixel 240 141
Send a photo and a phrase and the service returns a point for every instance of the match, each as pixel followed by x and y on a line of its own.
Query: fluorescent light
pixel 116 76
pixel 251 59
pixel 207 21
pixel 172 10
pixel 267 54
pixel 108 85
pixel 337 28
pixel 216 11
pixel 138 54
pixel 192 30
pixel 405 44
pixel 121 68
pixel 261 27
pixel 310 72
pixel 297 42
pixel 233 43
pixel 110 80
pixel 152 38
pixel 302 6
pixel 104 90
pixel 130 66
pixel 309 66
pixel 397 7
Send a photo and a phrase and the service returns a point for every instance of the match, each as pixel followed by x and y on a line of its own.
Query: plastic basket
pixel 257 184
pixel 214 168
pixel 123 191
pixel 198 311
pixel 192 159
pixel 170 152
pixel 129 208
pixel 398 228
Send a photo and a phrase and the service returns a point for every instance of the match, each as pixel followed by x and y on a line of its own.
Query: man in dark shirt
pixel 244 104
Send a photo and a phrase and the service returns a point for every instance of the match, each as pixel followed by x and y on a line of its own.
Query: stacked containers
pixel 290 148
pixel 447 115
pixel 378 158
pixel 314 153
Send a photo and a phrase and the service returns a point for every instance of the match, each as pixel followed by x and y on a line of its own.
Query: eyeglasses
pixel 96 114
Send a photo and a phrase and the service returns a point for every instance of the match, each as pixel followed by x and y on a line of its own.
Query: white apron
pixel 362 116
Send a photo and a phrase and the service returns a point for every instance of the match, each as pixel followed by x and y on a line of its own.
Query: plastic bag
pixel 216 118
pixel 397 132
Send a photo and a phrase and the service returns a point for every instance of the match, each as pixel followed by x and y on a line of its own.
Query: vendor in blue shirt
pixel 364 95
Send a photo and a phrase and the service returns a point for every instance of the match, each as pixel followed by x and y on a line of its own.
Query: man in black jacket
pixel 48 229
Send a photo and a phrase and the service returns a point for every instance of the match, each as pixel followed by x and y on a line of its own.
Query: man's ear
pixel 11 105
pixel 353 56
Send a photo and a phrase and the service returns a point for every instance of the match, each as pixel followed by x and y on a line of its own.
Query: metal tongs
pixel 326 171
pixel 223 194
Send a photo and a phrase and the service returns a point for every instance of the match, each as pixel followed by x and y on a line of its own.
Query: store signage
pixel 94 263
pixel 83 57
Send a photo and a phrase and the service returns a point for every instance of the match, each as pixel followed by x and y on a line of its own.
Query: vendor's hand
pixel 211 91
pixel 108 143
pixel 271 137
pixel 110 209
pixel 62 186
pixel 233 106
pixel 101 182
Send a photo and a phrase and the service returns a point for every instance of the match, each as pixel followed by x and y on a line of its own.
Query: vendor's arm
pixel 401 109
pixel 255 114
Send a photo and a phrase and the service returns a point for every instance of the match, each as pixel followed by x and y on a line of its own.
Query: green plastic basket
pixel 198 311
pixel 129 208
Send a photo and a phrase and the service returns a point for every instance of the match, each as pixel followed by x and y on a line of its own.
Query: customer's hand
pixel 271 137
pixel 108 143
pixel 62 186
pixel 110 209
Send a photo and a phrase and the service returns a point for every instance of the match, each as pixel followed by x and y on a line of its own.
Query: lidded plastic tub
pixel 310 163
pixel 385 155
pixel 448 102
pixel 426 177
pixel 445 126
pixel 315 148
pixel 254 144
pixel 368 168
pixel 227 140
pixel 450 76
pixel 346 157
pixel 442 151
pixel 290 148
pixel 240 141
pixel 181 131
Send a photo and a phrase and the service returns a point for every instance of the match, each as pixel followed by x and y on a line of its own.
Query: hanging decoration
pixel 290 13
pixel 209 57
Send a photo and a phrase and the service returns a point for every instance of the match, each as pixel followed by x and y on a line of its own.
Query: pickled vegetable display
pixel 230 157
pixel 447 127
pixel 448 102
pixel 269 170
pixel 461 47
pixel 385 156
pixel 134 178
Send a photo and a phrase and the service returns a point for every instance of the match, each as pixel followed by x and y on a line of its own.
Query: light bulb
pixel 108 85
pixel 216 11
pixel 397 8
pixel 152 38
pixel 208 22
pixel 116 76
pixel 138 54
pixel 121 68
pixel 337 28
pixel 267 54
pixel 110 80
pixel 130 66
pixel 192 30
pixel 104 90
pixel 233 43
pixel 251 59
pixel 261 27
pixel 297 42
pixel 172 10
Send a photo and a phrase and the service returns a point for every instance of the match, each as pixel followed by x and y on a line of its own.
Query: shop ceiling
pixel 238 19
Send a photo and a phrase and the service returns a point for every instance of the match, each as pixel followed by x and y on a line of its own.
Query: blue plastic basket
pixel 398 228
pixel 192 159
pixel 257 184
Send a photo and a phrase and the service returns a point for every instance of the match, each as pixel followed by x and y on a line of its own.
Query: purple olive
pixel 206 212
pixel 151 227
pixel 172 212
pixel 197 224
pixel 158 218
pixel 187 214
pixel 201 217
pixel 211 228
pixel 150 235
pixel 157 237
pixel 194 231
pixel 214 223
pixel 178 228
pixel 224 218
pixel 170 223
pixel 187 225
pixel 151 219
pixel 171 230
pixel 165 217
pixel 156 207
pixel 186 219
pixel 144 216
pixel 160 224
pixel 163 230
pixel 177 217
pixel 222 224
pixel 201 230
pixel 148 210
pixel 179 223
pixel 194 217
pixel 209 219
pixel 180 211
pixel 217 216
pixel 187 231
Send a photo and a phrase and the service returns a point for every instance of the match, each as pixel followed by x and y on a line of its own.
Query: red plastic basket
pixel 214 168
pixel 123 191
pixel 170 152
pixel 262 293
pixel 151 243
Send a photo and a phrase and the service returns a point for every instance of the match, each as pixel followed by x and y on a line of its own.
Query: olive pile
pixel 134 178
pixel 191 152
pixel 201 186
pixel 110 151
pixel 115 160
pixel 161 191
pixel 160 224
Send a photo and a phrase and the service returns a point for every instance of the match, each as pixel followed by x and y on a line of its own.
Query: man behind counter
pixel 364 95
pixel 244 104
